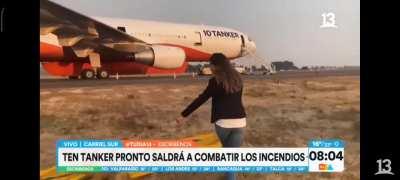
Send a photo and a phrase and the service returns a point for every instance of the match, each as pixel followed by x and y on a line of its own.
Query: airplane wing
pixel 84 34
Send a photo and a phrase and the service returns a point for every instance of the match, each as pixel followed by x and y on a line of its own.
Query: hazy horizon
pixel 282 29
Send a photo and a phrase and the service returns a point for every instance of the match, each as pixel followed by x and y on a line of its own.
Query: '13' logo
pixel 328 20
pixel 386 169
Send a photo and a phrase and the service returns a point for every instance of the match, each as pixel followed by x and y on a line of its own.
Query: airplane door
pixel 198 40
pixel 243 42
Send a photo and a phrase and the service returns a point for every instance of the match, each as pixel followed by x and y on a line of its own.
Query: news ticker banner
pixel 77 156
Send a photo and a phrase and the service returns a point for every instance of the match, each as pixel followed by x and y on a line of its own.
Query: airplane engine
pixel 164 57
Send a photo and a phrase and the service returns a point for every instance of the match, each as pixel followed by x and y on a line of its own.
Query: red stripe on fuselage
pixel 50 52
pixel 75 68
pixel 60 66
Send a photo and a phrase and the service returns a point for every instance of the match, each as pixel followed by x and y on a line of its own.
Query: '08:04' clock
pixel 326 155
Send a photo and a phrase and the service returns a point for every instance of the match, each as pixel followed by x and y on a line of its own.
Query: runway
pixel 67 83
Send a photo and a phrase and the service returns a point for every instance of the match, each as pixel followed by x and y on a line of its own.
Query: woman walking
pixel 227 111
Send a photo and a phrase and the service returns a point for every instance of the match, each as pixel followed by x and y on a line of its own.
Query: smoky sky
pixel 282 29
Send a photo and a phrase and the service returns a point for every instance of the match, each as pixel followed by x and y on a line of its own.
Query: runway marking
pixel 45 92
pixel 55 99
pixel 143 91
pixel 75 91
pixel 175 90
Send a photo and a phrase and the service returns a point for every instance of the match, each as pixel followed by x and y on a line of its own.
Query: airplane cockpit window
pixel 121 28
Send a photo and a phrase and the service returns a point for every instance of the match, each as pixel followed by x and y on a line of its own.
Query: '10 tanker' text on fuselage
pixel 220 33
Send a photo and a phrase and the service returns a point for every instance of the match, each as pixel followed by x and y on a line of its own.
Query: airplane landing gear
pixel 94 59
pixel 87 74
pixel 102 74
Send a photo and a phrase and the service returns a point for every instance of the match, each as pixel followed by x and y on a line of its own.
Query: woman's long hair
pixel 224 73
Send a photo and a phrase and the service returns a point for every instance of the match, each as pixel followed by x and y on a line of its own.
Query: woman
pixel 227 111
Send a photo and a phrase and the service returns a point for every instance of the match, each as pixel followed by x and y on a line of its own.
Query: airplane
pixel 75 45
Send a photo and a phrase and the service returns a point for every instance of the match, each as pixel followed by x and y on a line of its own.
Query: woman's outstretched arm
pixel 203 97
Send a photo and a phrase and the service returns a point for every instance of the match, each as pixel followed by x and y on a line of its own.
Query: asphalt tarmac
pixel 68 83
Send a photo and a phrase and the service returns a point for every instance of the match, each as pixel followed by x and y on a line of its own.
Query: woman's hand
pixel 180 120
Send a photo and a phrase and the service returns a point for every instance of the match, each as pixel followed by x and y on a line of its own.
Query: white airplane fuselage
pixel 199 42
pixel 201 39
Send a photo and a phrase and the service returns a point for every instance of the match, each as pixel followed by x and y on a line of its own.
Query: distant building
pixel 304 68
pixel 284 65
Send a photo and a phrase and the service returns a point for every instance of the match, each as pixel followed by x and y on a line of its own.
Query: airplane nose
pixel 252 47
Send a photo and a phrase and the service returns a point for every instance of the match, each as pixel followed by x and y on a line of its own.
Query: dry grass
pixel 284 114
pixel 324 86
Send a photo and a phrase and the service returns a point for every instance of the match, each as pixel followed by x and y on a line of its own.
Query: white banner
pixel 182 157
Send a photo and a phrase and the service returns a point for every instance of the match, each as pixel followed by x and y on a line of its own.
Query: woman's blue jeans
pixel 230 137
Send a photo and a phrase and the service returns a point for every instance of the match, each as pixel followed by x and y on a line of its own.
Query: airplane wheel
pixel 103 74
pixel 88 74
